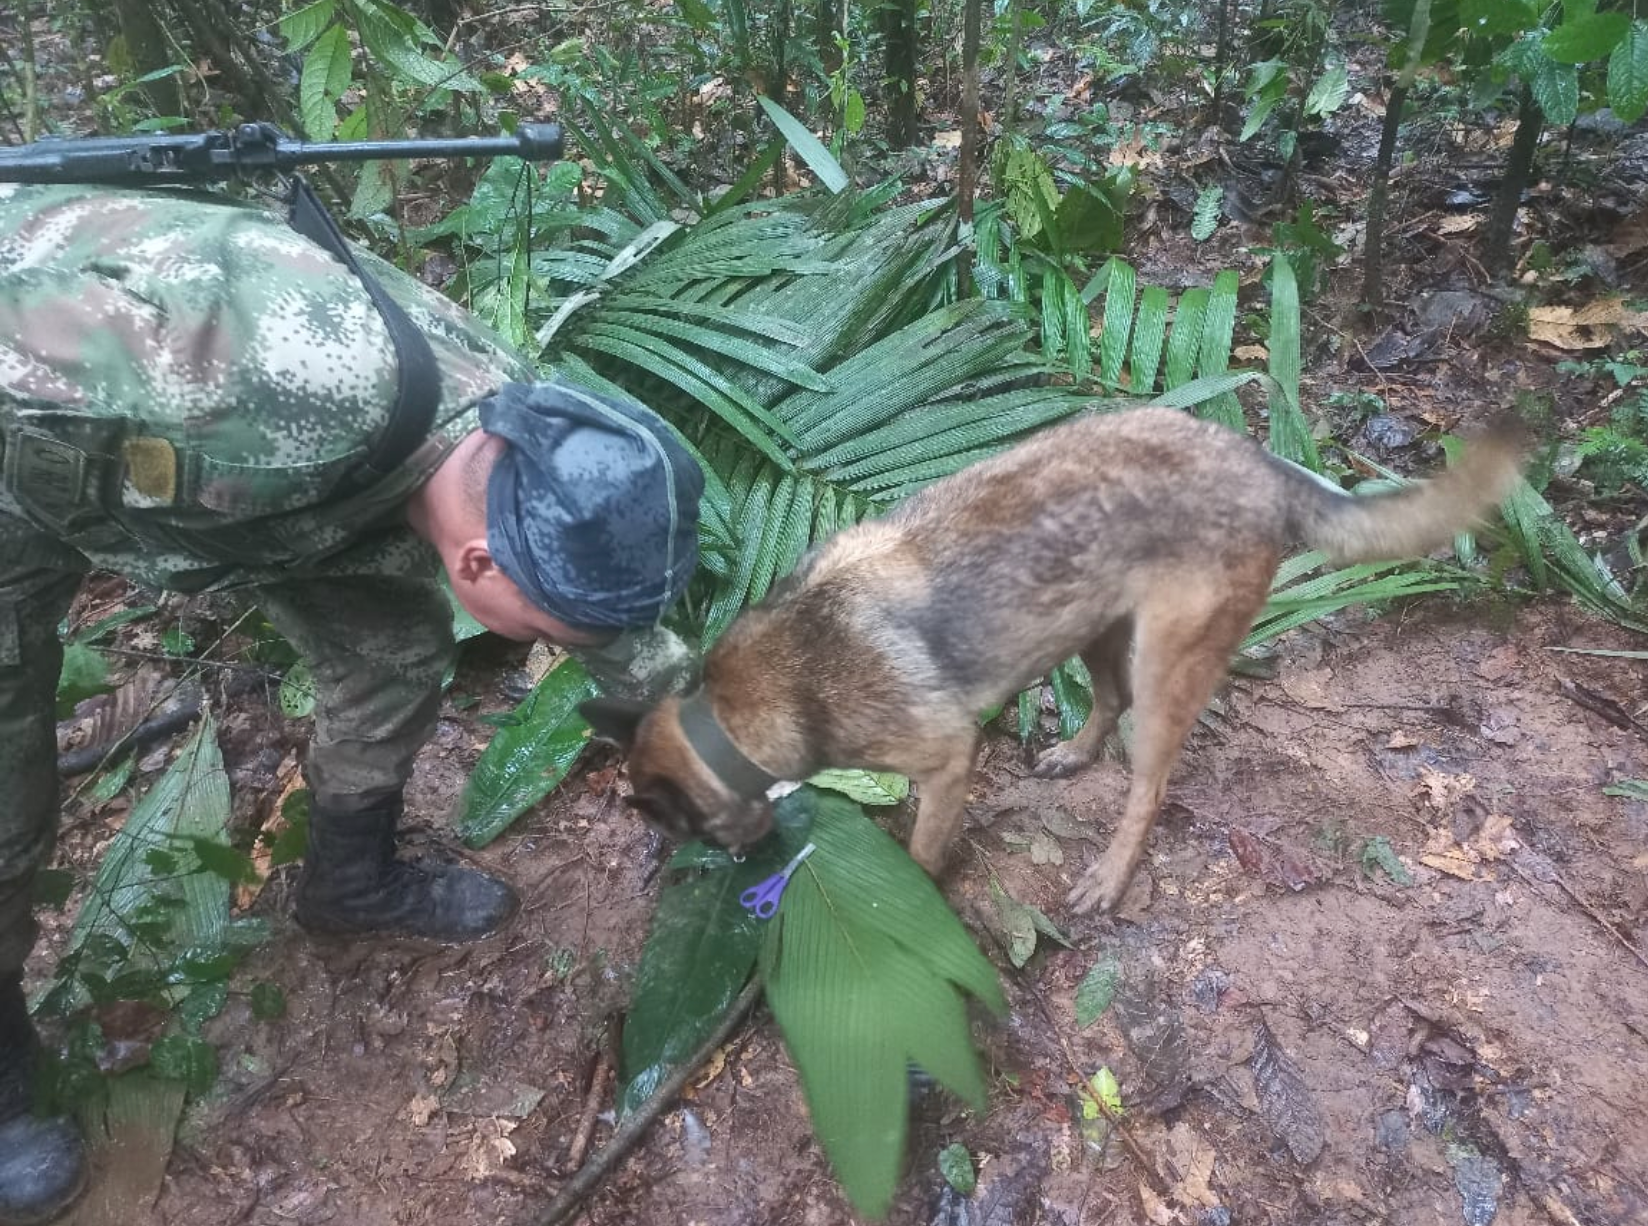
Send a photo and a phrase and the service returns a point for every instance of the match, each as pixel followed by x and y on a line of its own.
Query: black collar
pixel 710 742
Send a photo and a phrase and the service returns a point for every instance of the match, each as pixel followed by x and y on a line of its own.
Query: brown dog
pixel 1144 541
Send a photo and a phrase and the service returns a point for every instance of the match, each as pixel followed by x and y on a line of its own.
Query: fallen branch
pixel 638 1121
pixel 1601 920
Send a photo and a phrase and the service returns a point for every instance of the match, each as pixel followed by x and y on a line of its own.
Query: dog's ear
pixel 614 719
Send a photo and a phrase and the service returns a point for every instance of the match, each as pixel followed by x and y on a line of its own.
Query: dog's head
pixel 672 787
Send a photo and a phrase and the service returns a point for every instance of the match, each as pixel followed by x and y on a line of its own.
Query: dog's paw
pixel 1101 887
pixel 1061 761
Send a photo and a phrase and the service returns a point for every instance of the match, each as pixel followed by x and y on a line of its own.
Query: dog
pixel 1145 541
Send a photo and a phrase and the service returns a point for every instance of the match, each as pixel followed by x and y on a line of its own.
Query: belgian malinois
pixel 1144 541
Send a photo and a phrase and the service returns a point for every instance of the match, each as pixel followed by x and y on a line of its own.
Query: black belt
pixel 417 375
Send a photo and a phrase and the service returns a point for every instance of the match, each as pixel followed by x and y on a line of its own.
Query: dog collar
pixel 710 742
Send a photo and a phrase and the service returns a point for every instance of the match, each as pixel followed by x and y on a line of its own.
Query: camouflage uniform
pixel 183 383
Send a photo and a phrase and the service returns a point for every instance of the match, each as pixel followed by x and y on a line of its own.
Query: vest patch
pixel 151 468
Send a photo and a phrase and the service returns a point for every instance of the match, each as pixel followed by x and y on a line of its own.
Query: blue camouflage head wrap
pixel 592 510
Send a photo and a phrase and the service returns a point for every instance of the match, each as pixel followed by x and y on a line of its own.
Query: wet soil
pixel 1298 1038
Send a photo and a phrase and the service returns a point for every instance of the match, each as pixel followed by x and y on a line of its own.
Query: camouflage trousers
pixel 377 647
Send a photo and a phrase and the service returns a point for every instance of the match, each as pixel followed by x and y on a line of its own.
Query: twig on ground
pixel 1587 908
pixel 1147 1168
pixel 639 1120
pixel 578 1148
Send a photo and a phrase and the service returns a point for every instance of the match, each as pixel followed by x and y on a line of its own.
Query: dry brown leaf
pixel 712 1069
pixel 274 823
pixel 1630 236
pixel 490 1150
pixel 1593 326
pixel 1452 863
pixel 1252 353
pixel 1191 1156
pixel 1155 1208
pixel 947 140
pixel 1401 740
pixel 1443 790
pixel 421 1109
pixel 1458 223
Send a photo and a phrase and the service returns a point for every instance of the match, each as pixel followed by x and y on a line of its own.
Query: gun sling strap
pixel 417 376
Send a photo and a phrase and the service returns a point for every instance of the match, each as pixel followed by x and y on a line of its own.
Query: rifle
pixel 142 161
pixel 137 161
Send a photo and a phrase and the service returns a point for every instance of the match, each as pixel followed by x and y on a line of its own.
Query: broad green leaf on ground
pixel 1377 852
pixel 138 902
pixel 1096 990
pixel 529 755
pixel 807 146
pixel 699 952
pixel 956 1165
pixel 1021 924
pixel 85 673
pixel 1633 789
pixel 866 787
pixel 865 968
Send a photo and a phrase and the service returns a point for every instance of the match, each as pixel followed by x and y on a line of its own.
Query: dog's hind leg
pixel 1185 640
pixel 1107 664
pixel 943 801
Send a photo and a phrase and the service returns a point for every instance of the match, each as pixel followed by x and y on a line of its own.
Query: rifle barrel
pixel 133 161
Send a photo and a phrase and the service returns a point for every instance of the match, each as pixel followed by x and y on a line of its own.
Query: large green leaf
pixel 699 953
pixel 144 906
pixel 1586 38
pixel 529 755
pixel 865 966
pixel 810 149
pixel 1628 74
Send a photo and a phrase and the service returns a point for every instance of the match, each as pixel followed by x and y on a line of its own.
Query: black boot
pixel 42 1161
pixel 352 885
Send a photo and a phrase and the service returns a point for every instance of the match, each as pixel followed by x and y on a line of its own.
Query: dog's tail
pixel 1411 521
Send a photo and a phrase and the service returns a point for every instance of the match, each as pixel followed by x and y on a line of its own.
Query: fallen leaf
pixel 1458 223
pixel 712 1068
pixel 1285 1100
pixel 421 1109
pixel 1251 353
pixel 1191 1156
pixel 1401 740
pixel 947 140
pixel 1155 1208
pixel 1593 326
pixel 490 1150
pixel 1442 790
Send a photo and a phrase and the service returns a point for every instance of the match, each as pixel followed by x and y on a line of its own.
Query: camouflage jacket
pixel 221 374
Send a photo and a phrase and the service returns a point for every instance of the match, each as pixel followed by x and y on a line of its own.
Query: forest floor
pixel 1299 1037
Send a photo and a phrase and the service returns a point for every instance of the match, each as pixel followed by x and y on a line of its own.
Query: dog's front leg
pixel 943 804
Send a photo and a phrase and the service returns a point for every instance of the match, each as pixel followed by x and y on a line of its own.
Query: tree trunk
pixel 146 45
pixel 898 18
pixel 1497 253
pixel 1221 63
pixel 1373 253
pixel 1015 43
pixel 967 168
pixel 1373 256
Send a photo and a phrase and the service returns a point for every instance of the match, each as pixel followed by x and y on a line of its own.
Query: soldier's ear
pixel 614 719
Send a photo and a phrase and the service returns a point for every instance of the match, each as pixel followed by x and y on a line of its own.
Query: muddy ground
pixel 1298 1038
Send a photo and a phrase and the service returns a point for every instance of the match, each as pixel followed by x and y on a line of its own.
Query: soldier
pixel 196 396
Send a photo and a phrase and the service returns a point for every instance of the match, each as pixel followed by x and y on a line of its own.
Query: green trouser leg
pixel 377 648
pixel 38 580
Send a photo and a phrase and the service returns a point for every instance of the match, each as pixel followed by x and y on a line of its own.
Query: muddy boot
pixel 42 1161
pixel 352 885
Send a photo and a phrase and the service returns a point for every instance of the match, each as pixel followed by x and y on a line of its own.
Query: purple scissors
pixel 763 899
